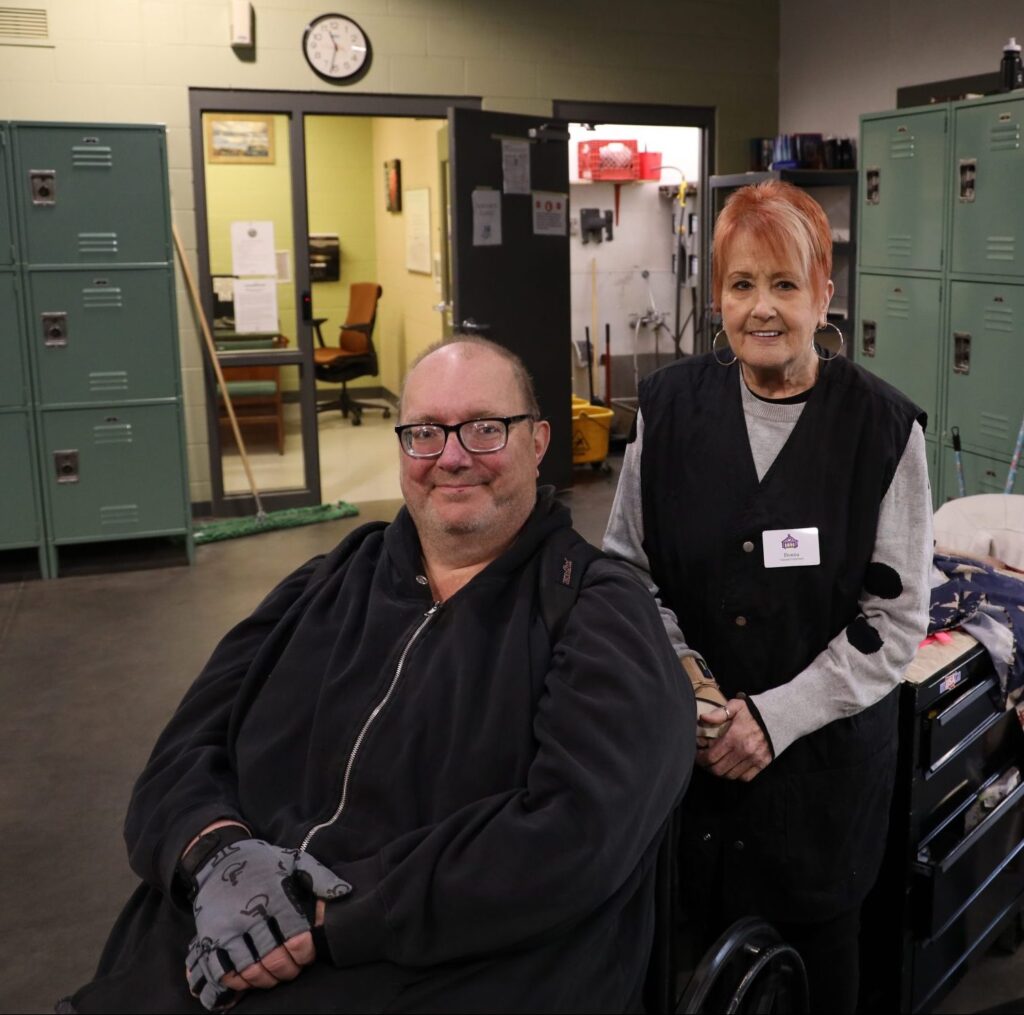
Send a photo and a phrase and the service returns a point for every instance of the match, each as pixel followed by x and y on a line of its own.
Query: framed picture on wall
pixel 247 140
pixel 393 184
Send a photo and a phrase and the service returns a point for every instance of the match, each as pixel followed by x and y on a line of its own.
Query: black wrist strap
pixel 205 847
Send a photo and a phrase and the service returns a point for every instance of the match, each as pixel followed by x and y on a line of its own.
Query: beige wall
pixel 406 322
pixel 134 60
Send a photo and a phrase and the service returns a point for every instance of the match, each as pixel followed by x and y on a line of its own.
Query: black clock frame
pixel 349 79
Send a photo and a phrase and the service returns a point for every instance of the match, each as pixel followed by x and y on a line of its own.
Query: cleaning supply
pixel 1011 70
pixel 231 528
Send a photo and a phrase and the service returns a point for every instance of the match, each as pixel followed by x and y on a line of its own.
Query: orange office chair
pixel 354 355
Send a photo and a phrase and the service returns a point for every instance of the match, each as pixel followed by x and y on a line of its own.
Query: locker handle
pixel 55 329
pixel 43 184
pixel 66 465
pixel 869 334
pixel 968 179
pixel 873 185
pixel 961 352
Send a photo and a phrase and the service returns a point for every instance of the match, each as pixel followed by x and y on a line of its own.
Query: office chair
pixel 354 355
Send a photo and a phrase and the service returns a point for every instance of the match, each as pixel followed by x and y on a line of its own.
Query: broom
pixel 231 528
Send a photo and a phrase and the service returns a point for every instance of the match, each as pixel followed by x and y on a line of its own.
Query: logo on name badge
pixel 790 543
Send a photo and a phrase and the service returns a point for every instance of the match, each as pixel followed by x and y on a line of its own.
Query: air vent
pixel 25 26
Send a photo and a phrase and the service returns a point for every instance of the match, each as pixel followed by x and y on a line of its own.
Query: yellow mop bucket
pixel 591 427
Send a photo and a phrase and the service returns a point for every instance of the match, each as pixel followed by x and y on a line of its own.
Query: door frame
pixel 643 114
pixel 297 105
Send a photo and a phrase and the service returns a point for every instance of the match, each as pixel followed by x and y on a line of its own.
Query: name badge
pixel 791 547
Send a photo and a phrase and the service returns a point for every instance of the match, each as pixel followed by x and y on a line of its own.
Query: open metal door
pixel 510 256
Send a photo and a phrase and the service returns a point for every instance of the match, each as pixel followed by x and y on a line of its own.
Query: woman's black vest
pixel 811 826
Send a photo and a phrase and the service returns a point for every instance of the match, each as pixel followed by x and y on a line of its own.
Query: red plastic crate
pixel 608 160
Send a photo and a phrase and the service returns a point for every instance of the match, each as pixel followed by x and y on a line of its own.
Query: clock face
pixel 336 48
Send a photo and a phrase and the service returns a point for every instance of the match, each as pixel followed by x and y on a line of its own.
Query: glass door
pixel 257 317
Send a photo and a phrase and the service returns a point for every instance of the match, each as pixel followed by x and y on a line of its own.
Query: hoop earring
pixel 716 349
pixel 833 348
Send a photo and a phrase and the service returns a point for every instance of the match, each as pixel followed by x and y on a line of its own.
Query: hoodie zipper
pixel 427 617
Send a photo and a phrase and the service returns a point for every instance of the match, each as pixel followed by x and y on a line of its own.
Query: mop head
pixel 289 518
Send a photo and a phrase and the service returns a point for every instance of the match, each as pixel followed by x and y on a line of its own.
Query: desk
pixel 255 390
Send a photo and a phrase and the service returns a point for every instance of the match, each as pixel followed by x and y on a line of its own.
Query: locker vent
pixel 119 514
pixel 97 299
pixel 898 306
pixel 24 26
pixel 998 319
pixel 97 243
pixel 995 426
pixel 901 146
pixel 1000 248
pixel 112 433
pixel 898 244
pixel 92 156
pixel 108 380
pixel 1005 137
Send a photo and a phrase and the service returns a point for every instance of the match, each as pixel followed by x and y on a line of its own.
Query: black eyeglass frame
pixel 455 428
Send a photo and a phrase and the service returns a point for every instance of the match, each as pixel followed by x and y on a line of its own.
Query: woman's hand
pixel 739 753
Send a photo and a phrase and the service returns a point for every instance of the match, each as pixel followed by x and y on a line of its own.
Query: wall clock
pixel 336 48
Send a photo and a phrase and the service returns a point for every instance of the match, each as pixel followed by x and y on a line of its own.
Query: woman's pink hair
pixel 789 223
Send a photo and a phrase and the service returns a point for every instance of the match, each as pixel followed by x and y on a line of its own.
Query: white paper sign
pixel 791 547
pixel 417 230
pixel 549 213
pixel 515 167
pixel 255 305
pixel 252 248
pixel 486 218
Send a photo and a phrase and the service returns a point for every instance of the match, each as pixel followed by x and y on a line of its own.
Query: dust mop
pixel 288 518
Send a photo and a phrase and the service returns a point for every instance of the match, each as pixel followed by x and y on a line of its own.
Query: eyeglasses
pixel 477 436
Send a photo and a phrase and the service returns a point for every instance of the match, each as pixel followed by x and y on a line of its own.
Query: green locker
pixel 897 321
pixel 902 189
pixel 982 353
pixel 6 207
pixel 92 194
pixel 113 472
pixel 982 474
pixel 103 335
pixel 20 522
pixel 13 368
pixel 988 202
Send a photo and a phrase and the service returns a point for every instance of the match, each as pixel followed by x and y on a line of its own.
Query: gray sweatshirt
pixel 841 680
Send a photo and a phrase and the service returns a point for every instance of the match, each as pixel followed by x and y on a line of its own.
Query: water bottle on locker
pixel 1011 70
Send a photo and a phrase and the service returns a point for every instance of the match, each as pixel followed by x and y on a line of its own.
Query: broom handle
pixel 197 307
pixel 1012 474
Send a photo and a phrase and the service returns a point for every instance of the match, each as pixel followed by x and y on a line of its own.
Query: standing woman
pixel 776 499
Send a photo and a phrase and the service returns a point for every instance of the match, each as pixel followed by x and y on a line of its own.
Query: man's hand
pixel 739 753
pixel 253 910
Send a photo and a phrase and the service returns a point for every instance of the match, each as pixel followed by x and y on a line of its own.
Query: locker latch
pixel 44 186
pixel 961 352
pixel 872 186
pixel 55 329
pixel 869 331
pixel 66 464
pixel 968 173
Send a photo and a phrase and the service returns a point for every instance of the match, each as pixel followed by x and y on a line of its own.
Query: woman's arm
pixel 624 536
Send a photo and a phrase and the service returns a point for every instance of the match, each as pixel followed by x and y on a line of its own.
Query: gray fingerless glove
pixel 251 898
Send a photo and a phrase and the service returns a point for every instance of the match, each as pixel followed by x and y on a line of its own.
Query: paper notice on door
pixel 486 218
pixel 255 305
pixel 252 248
pixel 515 167
pixel 549 213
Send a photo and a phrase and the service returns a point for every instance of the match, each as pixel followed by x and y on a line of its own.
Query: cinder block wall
pixel 134 61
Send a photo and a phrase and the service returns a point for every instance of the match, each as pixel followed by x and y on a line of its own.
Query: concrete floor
pixel 90 669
